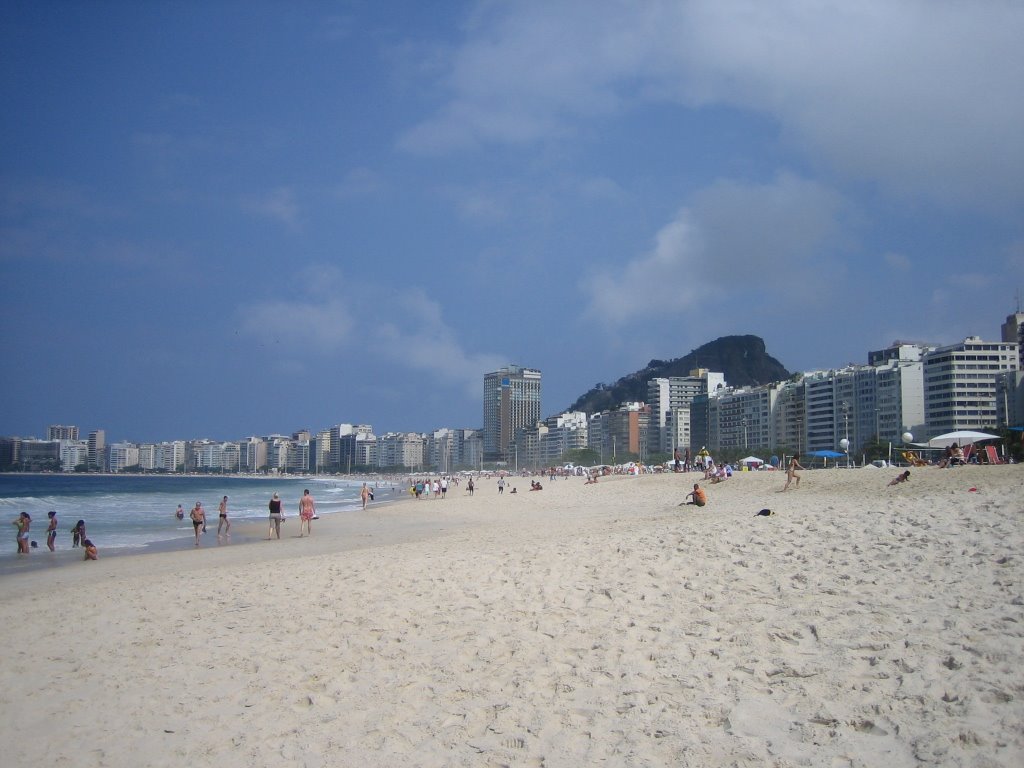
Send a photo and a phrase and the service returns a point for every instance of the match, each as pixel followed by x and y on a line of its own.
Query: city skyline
pixel 350 212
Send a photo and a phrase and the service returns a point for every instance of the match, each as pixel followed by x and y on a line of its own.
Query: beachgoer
pixel 51 531
pixel 78 534
pixel 22 523
pixel 501 485
pixel 91 553
pixel 470 487
pixel 444 487
pixel 223 521
pixel 364 494
pixel 437 488
pixel 677 459
pixel 900 478
pixel 180 513
pixel 198 517
pixel 275 516
pixel 697 495
pixel 307 510
pixel 794 465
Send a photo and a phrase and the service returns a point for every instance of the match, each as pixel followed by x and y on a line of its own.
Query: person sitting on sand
pixel 91 553
pixel 900 478
pixel 591 479
pixel 697 495
pixel 794 465
pixel 535 486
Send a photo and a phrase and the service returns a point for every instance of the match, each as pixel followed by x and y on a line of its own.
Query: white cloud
pixel 920 96
pixel 330 315
pixel 278 204
pixel 898 261
pixel 770 245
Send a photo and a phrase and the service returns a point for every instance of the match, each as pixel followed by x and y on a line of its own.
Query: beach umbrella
pixel 751 460
pixel 961 437
pixel 826 454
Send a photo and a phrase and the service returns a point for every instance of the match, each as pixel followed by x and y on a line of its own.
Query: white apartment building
pixel 960 384
pixel 121 455
pixel 401 449
pixel 741 419
pixel 171 456
pixel 73 453
pixel 565 432
pixel 670 400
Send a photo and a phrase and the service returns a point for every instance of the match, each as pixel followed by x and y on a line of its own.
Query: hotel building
pixel 511 401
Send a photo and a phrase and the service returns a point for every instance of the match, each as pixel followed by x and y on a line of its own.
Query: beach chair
pixel 991 457
pixel 913 459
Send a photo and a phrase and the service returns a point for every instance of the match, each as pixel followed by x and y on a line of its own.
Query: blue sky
pixel 230 218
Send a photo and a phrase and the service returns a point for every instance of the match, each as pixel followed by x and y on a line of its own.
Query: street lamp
pixel 845 442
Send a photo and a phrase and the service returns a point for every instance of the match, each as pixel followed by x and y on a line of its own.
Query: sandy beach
pixel 859 625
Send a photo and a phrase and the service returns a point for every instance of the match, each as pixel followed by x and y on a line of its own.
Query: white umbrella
pixel 963 437
pixel 751 460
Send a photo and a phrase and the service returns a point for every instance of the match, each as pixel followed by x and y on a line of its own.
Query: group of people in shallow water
pixel 23 524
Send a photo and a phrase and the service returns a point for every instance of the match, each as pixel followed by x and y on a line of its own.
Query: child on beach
pixel 91 553
pixel 900 478
pixel 78 533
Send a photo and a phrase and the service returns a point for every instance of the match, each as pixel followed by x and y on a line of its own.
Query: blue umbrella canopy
pixel 826 454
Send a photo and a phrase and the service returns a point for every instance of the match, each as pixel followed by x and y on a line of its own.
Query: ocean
pixel 134 511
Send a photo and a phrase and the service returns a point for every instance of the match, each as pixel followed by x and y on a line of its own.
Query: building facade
pixel 511 401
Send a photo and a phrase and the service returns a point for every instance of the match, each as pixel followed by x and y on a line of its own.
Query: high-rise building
pixel 97 449
pixel 960 383
pixel 1013 330
pixel 61 432
pixel 670 399
pixel 511 401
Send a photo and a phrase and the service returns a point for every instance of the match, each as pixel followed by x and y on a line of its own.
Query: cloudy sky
pixel 229 218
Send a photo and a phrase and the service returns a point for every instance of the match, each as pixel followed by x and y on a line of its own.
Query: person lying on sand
pixel 900 478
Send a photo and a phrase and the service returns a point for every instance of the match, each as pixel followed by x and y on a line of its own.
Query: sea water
pixel 133 511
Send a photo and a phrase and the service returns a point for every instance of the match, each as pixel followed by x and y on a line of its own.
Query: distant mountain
pixel 742 359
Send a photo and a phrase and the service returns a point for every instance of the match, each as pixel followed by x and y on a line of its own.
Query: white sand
pixel 861 625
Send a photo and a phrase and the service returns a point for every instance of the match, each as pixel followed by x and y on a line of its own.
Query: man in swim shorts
pixel 223 521
pixel 198 516
pixel 51 531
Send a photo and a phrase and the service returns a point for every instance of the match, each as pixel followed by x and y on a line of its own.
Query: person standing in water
pixel 51 531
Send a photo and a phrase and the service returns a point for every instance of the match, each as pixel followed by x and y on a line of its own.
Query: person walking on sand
pixel 307 510
pixel 794 465
pixel 51 531
pixel 501 485
pixel 275 516
pixel 198 517
pixel 470 487
pixel 223 519
pixel 364 494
